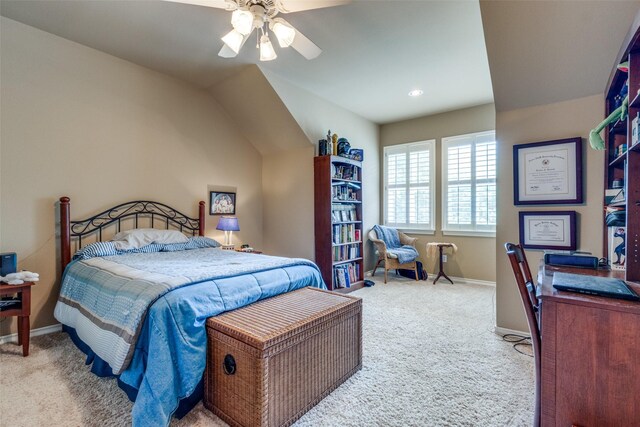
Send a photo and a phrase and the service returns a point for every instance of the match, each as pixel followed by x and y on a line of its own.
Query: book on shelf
pixel 345 252
pixel 343 213
pixel 616 253
pixel 345 233
pixel 345 275
pixel 350 172
pixel 343 192
pixel 618 198
pixel 610 193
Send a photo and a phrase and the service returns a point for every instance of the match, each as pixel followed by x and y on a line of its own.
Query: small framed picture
pixel 548 172
pixel 222 203
pixel 548 230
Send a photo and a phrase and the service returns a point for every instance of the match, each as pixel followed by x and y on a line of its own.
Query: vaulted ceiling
pixel 541 52
pixel 374 52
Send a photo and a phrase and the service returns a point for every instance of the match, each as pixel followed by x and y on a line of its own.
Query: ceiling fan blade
pixel 305 47
pixel 288 6
pixel 218 4
pixel 227 52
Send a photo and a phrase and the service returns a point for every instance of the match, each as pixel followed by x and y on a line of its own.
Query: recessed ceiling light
pixel 416 92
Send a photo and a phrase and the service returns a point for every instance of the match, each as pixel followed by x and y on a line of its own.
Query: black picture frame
pixel 555 230
pixel 222 203
pixel 553 185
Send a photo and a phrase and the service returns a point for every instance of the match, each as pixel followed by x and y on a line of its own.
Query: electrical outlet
pixel 444 258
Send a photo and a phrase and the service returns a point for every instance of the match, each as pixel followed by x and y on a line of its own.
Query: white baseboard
pixel 504 331
pixel 463 280
pixel 459 280
pixel 34 333
pixel 471 281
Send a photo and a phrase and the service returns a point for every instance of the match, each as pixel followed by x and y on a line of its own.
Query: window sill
pixel 417 231
pixel 469 233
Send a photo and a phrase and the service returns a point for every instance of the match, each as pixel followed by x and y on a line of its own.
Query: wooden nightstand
pixel 22 309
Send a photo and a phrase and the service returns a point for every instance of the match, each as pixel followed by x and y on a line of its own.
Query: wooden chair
pixel 528 289
pixel 391 262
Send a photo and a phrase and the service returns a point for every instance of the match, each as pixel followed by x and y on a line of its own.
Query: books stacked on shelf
pixel 343 213
pixel 346 274
pixel 345 234
pixel 347 172
pixel 345 252
pixel 344 191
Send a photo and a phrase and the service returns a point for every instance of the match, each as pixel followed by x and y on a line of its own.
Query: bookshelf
pixel 338 222
pixel 621 164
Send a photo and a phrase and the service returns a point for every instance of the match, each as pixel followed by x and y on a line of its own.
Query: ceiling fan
pixel 261 15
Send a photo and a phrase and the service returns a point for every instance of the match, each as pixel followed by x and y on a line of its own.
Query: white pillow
pixel 134 239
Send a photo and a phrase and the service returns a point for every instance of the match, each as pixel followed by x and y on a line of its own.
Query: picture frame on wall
pixel 222 203
pixel 548 172
pixel 554 230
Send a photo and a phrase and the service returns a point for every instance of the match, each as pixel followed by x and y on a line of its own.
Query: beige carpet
pixel 430 359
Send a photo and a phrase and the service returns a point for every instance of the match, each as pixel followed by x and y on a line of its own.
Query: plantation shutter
pixel 409 186
pixel 469 183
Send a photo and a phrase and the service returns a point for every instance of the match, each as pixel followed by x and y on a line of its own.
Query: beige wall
pixel 78 122
pixel 288 227
pixel 475 258
pixel 542 123
pixel 260 113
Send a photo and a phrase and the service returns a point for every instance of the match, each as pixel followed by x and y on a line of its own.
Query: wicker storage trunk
pixel 272 361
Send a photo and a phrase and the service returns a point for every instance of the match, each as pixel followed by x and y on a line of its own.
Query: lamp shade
pixel 228 223
pixel 266 49
pixel 284 33
pixel 242 21
pixel 234 40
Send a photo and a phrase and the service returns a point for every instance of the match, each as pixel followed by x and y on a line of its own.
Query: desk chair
pixel 527 289
pixel 391 260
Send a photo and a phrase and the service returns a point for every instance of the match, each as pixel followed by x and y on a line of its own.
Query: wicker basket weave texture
pixel 290 352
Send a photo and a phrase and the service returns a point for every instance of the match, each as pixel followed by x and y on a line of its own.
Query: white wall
pixel 81 123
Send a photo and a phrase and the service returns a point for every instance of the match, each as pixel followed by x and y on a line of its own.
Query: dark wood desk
pixel 590 355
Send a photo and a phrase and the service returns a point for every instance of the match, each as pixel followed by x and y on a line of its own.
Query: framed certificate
pixel 548 230
pixel 548 172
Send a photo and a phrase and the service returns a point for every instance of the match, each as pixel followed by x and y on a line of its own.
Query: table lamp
pixel 228 224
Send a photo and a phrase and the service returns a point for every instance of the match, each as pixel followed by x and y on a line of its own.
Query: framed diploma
pixel 548 230
pixel 548 172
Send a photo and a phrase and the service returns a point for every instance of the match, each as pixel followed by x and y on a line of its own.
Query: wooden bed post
pixel 201 218
pixel 65 236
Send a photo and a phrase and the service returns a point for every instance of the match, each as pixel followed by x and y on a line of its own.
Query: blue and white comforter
pixel 107 300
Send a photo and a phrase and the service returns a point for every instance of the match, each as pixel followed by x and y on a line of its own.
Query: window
pixel 469 184
pixel 409 186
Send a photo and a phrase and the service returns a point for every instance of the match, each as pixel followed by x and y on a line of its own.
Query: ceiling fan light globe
pixel 267 53
pixel 233 39
pixel 284 33
pixel 242 21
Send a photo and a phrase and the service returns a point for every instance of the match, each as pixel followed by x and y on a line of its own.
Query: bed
pixel 138 310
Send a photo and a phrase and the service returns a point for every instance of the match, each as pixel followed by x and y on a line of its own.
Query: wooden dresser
pixel 590 355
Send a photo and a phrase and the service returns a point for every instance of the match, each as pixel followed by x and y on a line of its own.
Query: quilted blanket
pixel 166 341
pixel 391 239
pixel 106 298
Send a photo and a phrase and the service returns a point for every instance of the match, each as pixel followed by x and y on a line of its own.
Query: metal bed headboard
pixel 114 216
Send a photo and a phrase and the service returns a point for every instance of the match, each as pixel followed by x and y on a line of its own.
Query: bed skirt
pixel 102 369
